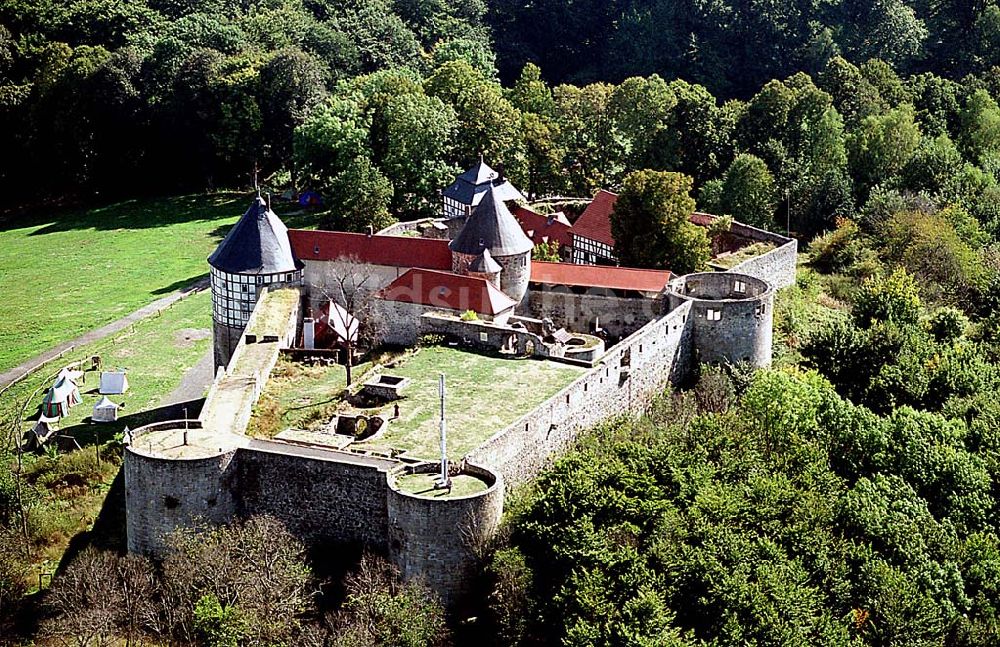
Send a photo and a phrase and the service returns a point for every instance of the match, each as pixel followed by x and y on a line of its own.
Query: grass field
pixel 64 274
pixel 485 394
pixel 69 488
pixel 157 352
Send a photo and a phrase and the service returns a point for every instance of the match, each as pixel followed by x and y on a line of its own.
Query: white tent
pixel 60 398
pixel 105 411
pixel 113 383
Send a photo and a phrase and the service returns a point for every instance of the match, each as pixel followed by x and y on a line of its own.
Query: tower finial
pixel 256 186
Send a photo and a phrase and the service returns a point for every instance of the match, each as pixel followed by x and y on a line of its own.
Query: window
pixel 761 309
pixel 484 337
pixel 740 287
pixel 713 315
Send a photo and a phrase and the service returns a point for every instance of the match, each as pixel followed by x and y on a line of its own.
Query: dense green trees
pixel 790 517
pixel 734 48
pixel 651 227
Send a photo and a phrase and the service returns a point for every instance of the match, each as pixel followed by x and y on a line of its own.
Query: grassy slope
pixel 63 275
pixel 71 488
pixel 156 353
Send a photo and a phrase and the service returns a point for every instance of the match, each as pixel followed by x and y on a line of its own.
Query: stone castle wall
pixel 320 496
pixel 777 266
pixel 162 495
pixel 322 279
pixel 622 383
pixel 619 316
pixel 224 341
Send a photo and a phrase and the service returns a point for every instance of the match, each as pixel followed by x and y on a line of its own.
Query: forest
pixel 847 496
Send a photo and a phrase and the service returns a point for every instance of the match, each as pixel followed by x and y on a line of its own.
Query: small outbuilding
pixel 62 396
pixel 105 411
pixel 113 383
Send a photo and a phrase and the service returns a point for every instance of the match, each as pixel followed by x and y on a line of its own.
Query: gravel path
pixel 7 377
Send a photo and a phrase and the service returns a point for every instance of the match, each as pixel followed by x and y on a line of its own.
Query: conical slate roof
pixel 257 244
pixel 484 264
pixel 470 187
pixel 491 227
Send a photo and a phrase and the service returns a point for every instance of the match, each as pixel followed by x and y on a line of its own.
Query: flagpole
pixel 444 434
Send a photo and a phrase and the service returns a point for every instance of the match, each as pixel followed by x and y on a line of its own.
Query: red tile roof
pixel 447 290
pixel 595 221
pixel 542 229
pixel 595 276
pixel 397 251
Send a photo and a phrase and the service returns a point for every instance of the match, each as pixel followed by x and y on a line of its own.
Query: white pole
pixel 444 432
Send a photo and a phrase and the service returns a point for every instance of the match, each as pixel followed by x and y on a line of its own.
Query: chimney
pixel 371 230
pixel 500 177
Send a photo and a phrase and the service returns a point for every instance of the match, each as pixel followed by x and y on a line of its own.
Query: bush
pixel 380 610
pixel 894 298
pixel 469 315
pixel 947 324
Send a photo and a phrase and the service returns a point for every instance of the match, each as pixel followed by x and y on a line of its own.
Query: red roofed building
pixel 449 291
pixel 542 229
pixel 593 243
pixel 393 251
pixel 623 279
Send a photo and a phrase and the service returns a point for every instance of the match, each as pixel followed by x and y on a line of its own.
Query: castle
pixel 467 277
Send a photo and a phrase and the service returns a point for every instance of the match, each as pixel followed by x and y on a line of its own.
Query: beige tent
pixel 105 411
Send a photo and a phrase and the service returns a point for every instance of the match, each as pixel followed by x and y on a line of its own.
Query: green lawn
pixel 485 394
pixel 300 397
pixel 423 485
pixel 157 353
pixel 73 271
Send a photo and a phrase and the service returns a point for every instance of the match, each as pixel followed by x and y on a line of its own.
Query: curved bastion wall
pixel 440 540
pixel 167 490
pixel 731 316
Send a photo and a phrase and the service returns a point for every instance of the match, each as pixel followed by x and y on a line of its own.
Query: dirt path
pixel 17 372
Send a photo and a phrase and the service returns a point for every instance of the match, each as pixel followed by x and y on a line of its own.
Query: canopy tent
pixel 60 398
pixel 113 383
pixel 105 411
pixel 42 431
pixel 72 374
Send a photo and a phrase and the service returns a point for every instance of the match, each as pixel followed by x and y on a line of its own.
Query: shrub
pixel 894 298
pixel 947 324
pixel 469 315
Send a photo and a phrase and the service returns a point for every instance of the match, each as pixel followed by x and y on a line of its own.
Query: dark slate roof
pixel 484 264
pixel 491 226
pixel 257 244
pixel 470 187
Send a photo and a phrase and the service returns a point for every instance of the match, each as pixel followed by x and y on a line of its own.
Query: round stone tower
pixel 254 254
pixel 732 316
pixel 492 228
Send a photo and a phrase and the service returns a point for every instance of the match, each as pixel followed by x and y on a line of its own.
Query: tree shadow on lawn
pixel 184 285
pixel 131 214
pixel 153 213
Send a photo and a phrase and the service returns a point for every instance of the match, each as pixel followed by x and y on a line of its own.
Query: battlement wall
pixel 322 497
pixel 442 540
